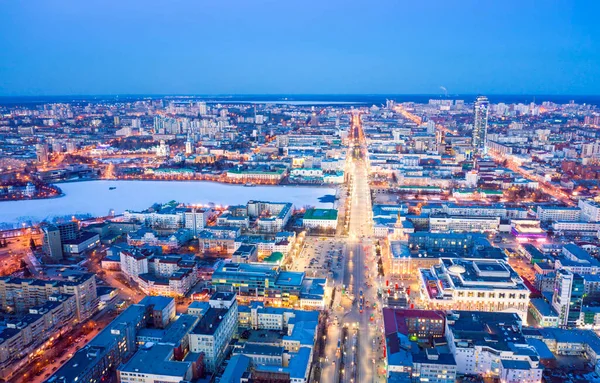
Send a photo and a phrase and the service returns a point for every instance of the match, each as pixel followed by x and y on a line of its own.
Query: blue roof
pixel 236 367
pixel 290 278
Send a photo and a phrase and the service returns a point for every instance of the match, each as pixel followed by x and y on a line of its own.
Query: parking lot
pixel 319 256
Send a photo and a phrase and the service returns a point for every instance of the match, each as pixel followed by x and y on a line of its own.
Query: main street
pixel 360 351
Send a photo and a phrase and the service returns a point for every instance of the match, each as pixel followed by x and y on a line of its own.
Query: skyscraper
pixel 480 124
pixel 52 243
pixel 568 295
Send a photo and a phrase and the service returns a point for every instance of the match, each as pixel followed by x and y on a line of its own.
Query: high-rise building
pixel 56 235
pixel 202 108
pixel 52 244
pixel 41 152
pixel 480 124
pixel 215 329
pixel 68 230
pixel 568 295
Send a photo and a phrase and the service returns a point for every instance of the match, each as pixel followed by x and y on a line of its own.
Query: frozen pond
pixel 96 199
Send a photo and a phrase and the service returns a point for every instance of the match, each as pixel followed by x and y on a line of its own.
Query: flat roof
pixel 156 359
pixel 290 278
pixel 323 214
pixel 210 321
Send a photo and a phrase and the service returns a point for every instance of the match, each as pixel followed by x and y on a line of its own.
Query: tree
pixel 32 244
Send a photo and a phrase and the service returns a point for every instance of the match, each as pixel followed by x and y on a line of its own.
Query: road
pixel 361 348
pixel 544 186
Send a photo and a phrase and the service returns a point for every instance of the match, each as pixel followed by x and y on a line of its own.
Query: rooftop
pixel 211 320
pixel 322 214
pixel 156 359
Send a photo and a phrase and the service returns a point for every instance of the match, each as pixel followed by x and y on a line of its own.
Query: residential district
pixel 461 246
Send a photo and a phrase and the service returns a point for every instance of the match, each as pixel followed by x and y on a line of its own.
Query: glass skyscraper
pixel 480 124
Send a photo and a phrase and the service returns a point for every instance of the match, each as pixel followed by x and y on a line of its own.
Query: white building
pixel 576 227
pixel 558 213
pixel 134 262
pixel 493 345
pixel 320 219
pixel 195 219
pixel 217 326
pixel 590 210
pixel 481 285
pixel 270 216
pixel 577 260
pixel 163 150
pixel 444 224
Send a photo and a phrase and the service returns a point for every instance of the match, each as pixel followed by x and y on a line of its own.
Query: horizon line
pixel 295 94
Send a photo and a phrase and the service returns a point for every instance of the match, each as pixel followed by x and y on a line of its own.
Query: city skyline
pixel 230 48
pixel 299 191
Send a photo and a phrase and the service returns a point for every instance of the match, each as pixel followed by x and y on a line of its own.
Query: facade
pixel 576 227
pixel 159 274
pixel 493 345
pixel 270 176
pixel 19 295
pixel 543 313
pixel 30 332
pixel 320 219
pixel 568 297
pixel 444 224
pixel 271 217
pixel 480 124
pixel 85 241
pixel 195 219
pixel 558 213
pixel 212 334
pixel 269 284
pixel 482 285
pixel 52 244
pixel 166 217
pixel 590 210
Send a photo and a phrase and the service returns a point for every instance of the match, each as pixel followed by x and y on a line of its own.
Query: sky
pixel 85 47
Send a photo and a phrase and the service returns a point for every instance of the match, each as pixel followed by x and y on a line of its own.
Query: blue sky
pixel 286 46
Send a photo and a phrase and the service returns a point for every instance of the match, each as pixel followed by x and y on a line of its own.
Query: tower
pixel 41 152
pixel 567 297
pixel 480 124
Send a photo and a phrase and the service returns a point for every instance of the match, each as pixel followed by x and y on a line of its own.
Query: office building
pixel 52 244
pixel 195 219
pixel 492 344
pixel 406 361
pixel 568 297
pixel 575 259
pixel 590 210
pixel 270 284
pixel 320 219
pixel 558 213
pixel 480 124
pixel 444 223
pixel 482 285
pixel 212 334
